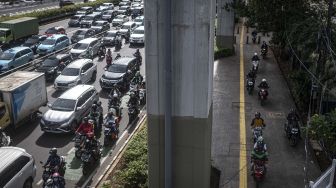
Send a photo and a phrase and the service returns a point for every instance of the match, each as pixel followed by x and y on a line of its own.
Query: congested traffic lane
pixel 31 138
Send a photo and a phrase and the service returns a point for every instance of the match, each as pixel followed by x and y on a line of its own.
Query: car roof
pixel 87 40
pixel 17 49
pixel 78 63
pixel 10 154
pixel 128 23
pixel 75 92
pixel 140 28
pixel 123 60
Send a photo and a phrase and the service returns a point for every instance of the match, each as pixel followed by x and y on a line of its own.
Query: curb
pixel 117 158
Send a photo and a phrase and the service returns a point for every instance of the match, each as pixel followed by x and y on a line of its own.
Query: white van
pixel 17 168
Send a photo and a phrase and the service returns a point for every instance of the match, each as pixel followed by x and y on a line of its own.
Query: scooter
pixel 111 131
pixel 4 139
pixel 257 132
pixel 250 85
pixel 263 53
pixel 259 171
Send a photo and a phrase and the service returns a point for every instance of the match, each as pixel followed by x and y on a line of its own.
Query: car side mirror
pixel 78 108
pixel 49 105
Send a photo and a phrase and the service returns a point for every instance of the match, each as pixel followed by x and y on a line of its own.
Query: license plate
pixel 250 83
pixel 107 129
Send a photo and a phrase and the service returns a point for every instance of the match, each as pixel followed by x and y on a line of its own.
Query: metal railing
pixel 327 178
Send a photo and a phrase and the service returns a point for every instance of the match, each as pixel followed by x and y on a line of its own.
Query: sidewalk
pixel 286 163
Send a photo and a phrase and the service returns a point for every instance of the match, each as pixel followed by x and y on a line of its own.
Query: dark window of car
pixel 117 68
pixel 70 72
pixel 66 59
pixel 80 102
pixel 2 111
pixel 93 43
pixel 51 31
pixel 11 170
pixel 17 55
pixel 88 95
pixel 25 51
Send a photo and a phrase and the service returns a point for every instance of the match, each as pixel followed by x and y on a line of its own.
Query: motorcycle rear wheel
pixel 293 141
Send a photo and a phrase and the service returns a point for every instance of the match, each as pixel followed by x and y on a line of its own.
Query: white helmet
pixel 115 95
pixel 255 53
pixel 263 80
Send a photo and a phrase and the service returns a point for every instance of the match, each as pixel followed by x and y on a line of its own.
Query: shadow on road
pixel 22 132
pixel 47 140
pixel 56 94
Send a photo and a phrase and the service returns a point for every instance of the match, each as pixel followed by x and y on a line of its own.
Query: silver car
pixel 67 111
pixel 17 168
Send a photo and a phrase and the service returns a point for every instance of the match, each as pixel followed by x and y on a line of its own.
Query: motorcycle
pixel 101 52
pixel 250 85
pixel 255 66
pixel 111 132
pixel 88 160
pixel 4 139
pixel 118 45
pixel 49 171
pixel 257 132
pixel 55 181
pixel 292 133
pixel 79 141
pixel 142 96
pixel 263 53
pixel 259 171
pixel 97 125
pixel 132 113
pixel 262 96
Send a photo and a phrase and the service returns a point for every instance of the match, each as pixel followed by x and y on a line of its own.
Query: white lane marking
pixel 39 182
pixel 71 150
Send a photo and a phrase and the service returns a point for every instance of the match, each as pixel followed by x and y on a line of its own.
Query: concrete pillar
pixel 192 72
pixel 225 25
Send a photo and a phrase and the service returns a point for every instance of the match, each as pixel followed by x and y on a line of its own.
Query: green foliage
pixel 300 85
pixel 134 172
pixel 223 52
pixel 57 11
pixel 323 128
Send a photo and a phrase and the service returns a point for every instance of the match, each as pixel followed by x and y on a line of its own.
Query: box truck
pixel 21 94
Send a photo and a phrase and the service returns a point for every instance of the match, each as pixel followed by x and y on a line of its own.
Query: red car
pixel 55 30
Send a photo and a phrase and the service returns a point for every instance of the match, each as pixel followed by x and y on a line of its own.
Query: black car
pixel 118 73
pixel 34 41
pixel 125 10
pixel 81 34
pixel 137 11
pixel 100 26
pixel 75 20
pixel 53 65
pixel 65 3
pixel 110 37
pixel 108 15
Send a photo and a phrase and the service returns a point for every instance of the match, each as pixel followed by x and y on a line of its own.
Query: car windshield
pixel 122 8
pixel 117 68
pixel 75 18
pixel 50 62
pixel 125 27
pixel 120 17
pixel 7 56
pixel 51 31
pixel 110 34
pixel 98 24
pixel 49 42
pixel 70 72
pixel 64 104
pixel 138 31
pixel 80 32
pixel 138 20
pixel 80 46
pixel 88 18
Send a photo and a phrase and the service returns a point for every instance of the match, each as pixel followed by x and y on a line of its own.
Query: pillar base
pixel 224 41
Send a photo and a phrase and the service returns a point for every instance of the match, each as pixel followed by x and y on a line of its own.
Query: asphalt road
pixel 37 143
pixel 286 164
pixel 28 7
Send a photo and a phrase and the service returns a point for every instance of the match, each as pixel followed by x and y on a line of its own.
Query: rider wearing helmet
pixel 54 160
pixel 293 120
pixel 259 153
pixel 117 56
pixel 108 57
pixel 100 110
pixel 94 113
pixel 92 144
pixel 133 101
pixel 137 78
pixel 264 46
pixel 85 127
pixel 255 57
pixel 137 53
pixel 257 121
pixel 263 84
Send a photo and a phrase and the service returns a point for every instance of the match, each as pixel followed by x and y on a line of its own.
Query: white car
pixel 80 71
pixel 138 36
pixel 119 20
pixel 139 21
pixel 17 168
pixel 110 5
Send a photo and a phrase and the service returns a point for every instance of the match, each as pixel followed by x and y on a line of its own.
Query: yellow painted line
pixel 242 129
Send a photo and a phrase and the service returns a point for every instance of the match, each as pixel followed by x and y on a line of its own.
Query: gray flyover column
pixel 192 76
pixel 225 24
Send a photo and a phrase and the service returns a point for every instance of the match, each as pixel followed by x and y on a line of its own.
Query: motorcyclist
pixel 293 119
pixel 117 56
pixel 137 53
pixel 254 34
pixel 85 127
pixel 137 78
pixel 92 144
pixel 110 116
pixel 115 90
pixel 101 50
pixel 257 121
pixel 114 101
pixel 255 57
pixel 94 113
pixel 259 153
pixel 108 57
pixel 251 74
pixel 263 85
pixel 100 110
pixel 264 46
pixel 56 181
pixel 133 101
pixel 54 160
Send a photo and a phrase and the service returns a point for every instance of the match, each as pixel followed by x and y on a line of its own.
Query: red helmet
pixel 56 174
pixel 90 135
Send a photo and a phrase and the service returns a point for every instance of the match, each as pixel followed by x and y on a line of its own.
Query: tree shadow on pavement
pixel 48 140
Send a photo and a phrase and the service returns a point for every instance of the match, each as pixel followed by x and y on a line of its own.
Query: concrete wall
pixel 225 25
pixel 192 72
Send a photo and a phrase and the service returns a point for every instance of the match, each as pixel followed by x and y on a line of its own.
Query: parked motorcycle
pixel 250 85
pixel 132 113
pixel 4 139
pixel 257 132
pixel 263 53
pixel 262 96
pixel 55 181
pixel 111 132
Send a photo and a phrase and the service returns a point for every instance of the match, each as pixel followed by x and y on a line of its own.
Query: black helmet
pixel 137 50
pixel 53 151
pixel 95 102
pixel 85 119
pixel 99 103
pixel 257 114
pixel 94 106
